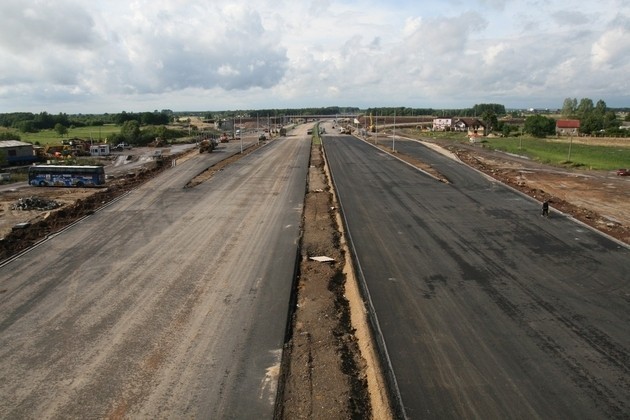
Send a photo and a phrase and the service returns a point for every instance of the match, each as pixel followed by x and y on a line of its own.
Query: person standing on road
pixel 545 208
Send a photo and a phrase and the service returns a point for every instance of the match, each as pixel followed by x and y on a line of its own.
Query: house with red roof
pixel 567 127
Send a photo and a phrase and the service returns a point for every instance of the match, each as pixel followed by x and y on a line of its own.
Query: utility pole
pixel 394 134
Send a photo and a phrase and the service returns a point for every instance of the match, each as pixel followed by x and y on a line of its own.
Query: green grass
pixel 557 152
pixel 16 177
pixel 552 151
pixel 448 135
pixel 46 137
pixel 316 139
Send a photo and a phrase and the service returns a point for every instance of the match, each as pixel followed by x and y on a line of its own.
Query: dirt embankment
pixel 324 372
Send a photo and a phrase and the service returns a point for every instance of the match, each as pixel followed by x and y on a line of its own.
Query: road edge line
pixel 382 377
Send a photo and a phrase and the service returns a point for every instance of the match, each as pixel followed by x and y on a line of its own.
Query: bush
pixel 540 126
pixel 9 135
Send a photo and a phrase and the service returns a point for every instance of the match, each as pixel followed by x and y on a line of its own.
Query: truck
pixel 207 145
pixel 345 130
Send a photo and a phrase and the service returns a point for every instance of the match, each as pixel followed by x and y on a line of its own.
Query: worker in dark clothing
pixel 545 208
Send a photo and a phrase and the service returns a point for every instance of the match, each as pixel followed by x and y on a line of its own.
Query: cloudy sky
pixel 95 56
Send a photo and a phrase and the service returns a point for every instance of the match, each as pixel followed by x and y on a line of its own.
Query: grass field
pixel 565 152
pixel 583 152
pixel 46 137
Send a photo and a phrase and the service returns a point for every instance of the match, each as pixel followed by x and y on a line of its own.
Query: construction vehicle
pixel 157 142
pixel 75 147
pixel 207 145
pixel 57 150
pixel 224 138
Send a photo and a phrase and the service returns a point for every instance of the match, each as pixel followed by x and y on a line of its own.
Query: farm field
pixel 96 133
pixel 597 153
pixel 587 152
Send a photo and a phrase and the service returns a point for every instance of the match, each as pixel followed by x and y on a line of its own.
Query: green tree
pixel 26 126
pixel 591 124
pixel 161 131
pixel 496 109
pixel 610 120
pixel 44 121
pixel 539 126
pixel 585 108
pixel 569 107
pixel 130 130
pixel 490 120
pixel 600 108
pixel 61 129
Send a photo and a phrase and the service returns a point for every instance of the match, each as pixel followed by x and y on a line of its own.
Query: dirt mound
pixel 35 203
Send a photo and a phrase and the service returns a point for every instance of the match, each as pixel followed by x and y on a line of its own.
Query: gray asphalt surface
pixel 487 309
pixel 169 303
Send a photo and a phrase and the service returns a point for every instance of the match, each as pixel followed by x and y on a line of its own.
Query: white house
pixel 442 124
pixel 99 150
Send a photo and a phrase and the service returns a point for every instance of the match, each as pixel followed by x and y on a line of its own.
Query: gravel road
pixel 168 303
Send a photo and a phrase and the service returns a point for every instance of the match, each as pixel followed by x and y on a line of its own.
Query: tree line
pixel 478 110
pixel 278 112
pixel 595 119
pixel 27 122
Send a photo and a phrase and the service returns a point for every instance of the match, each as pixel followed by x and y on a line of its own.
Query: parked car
pixel 623 172
pixel 121 146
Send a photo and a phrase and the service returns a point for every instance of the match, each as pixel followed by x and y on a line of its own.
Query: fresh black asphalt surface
pixel 486 309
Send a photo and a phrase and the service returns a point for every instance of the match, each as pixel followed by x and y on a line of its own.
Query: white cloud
pixel 28 26
pixel 73 56
pixel 612 49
